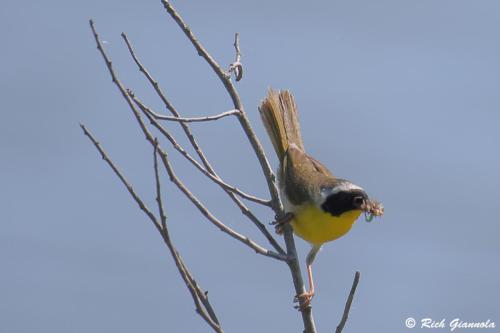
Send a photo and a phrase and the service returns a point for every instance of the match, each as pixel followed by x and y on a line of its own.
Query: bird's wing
pixel 301 176
pixel 320 167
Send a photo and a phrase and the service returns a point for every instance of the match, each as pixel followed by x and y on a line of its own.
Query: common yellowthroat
pixel 319 206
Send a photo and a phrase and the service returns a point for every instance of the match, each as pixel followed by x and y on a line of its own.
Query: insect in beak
pixel 372 208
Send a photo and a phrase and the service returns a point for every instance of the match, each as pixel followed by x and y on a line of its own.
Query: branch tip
pixel 348 303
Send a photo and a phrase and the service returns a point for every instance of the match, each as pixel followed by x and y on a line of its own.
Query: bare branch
pixel 209 171
pixel 149 137
pixel 119 85
pixel 228 188
pixel 183 270
pixel 194 119
pixel 277 205
pixel 184 153
pixel 233 93
pixel 244 239
pixel 202 295
pixel 168 105
pixel 124 181
pixel 298 282
pixel 236 66
pixel 207 165
pixel 348 303
pixel 162 229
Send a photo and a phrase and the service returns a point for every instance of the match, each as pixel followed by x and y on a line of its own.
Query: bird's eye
pixel 324 190
pixel 358 201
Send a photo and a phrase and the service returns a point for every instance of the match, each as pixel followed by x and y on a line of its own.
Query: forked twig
pixel 149 137
pixel 209 169
pixel 229 189
pixel 168 105
pixel 233 93
pixel 244 239
pixel 183 270
pixel 148 113
pixel 203 307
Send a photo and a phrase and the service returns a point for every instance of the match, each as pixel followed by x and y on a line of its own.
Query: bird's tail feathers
pixel 280 117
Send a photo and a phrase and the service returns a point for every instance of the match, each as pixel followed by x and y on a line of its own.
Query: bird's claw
pixel 303 300
pixel 279 223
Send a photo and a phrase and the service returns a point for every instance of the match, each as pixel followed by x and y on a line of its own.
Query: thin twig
pixel 202 295
pixel 236 66
pixel 348 303
pixel 161 211
pixel 193 119
pixel 162 229
pixel 124 181
pixel 149 137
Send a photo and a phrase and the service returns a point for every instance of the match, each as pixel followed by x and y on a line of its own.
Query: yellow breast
pixel 315 226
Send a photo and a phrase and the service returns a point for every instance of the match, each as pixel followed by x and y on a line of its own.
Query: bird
pixel 319 206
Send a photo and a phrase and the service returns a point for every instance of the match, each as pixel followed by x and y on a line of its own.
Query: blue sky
pixel 398 96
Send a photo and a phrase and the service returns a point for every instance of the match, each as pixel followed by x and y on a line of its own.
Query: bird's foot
pixel 303 300
pixel 280 222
